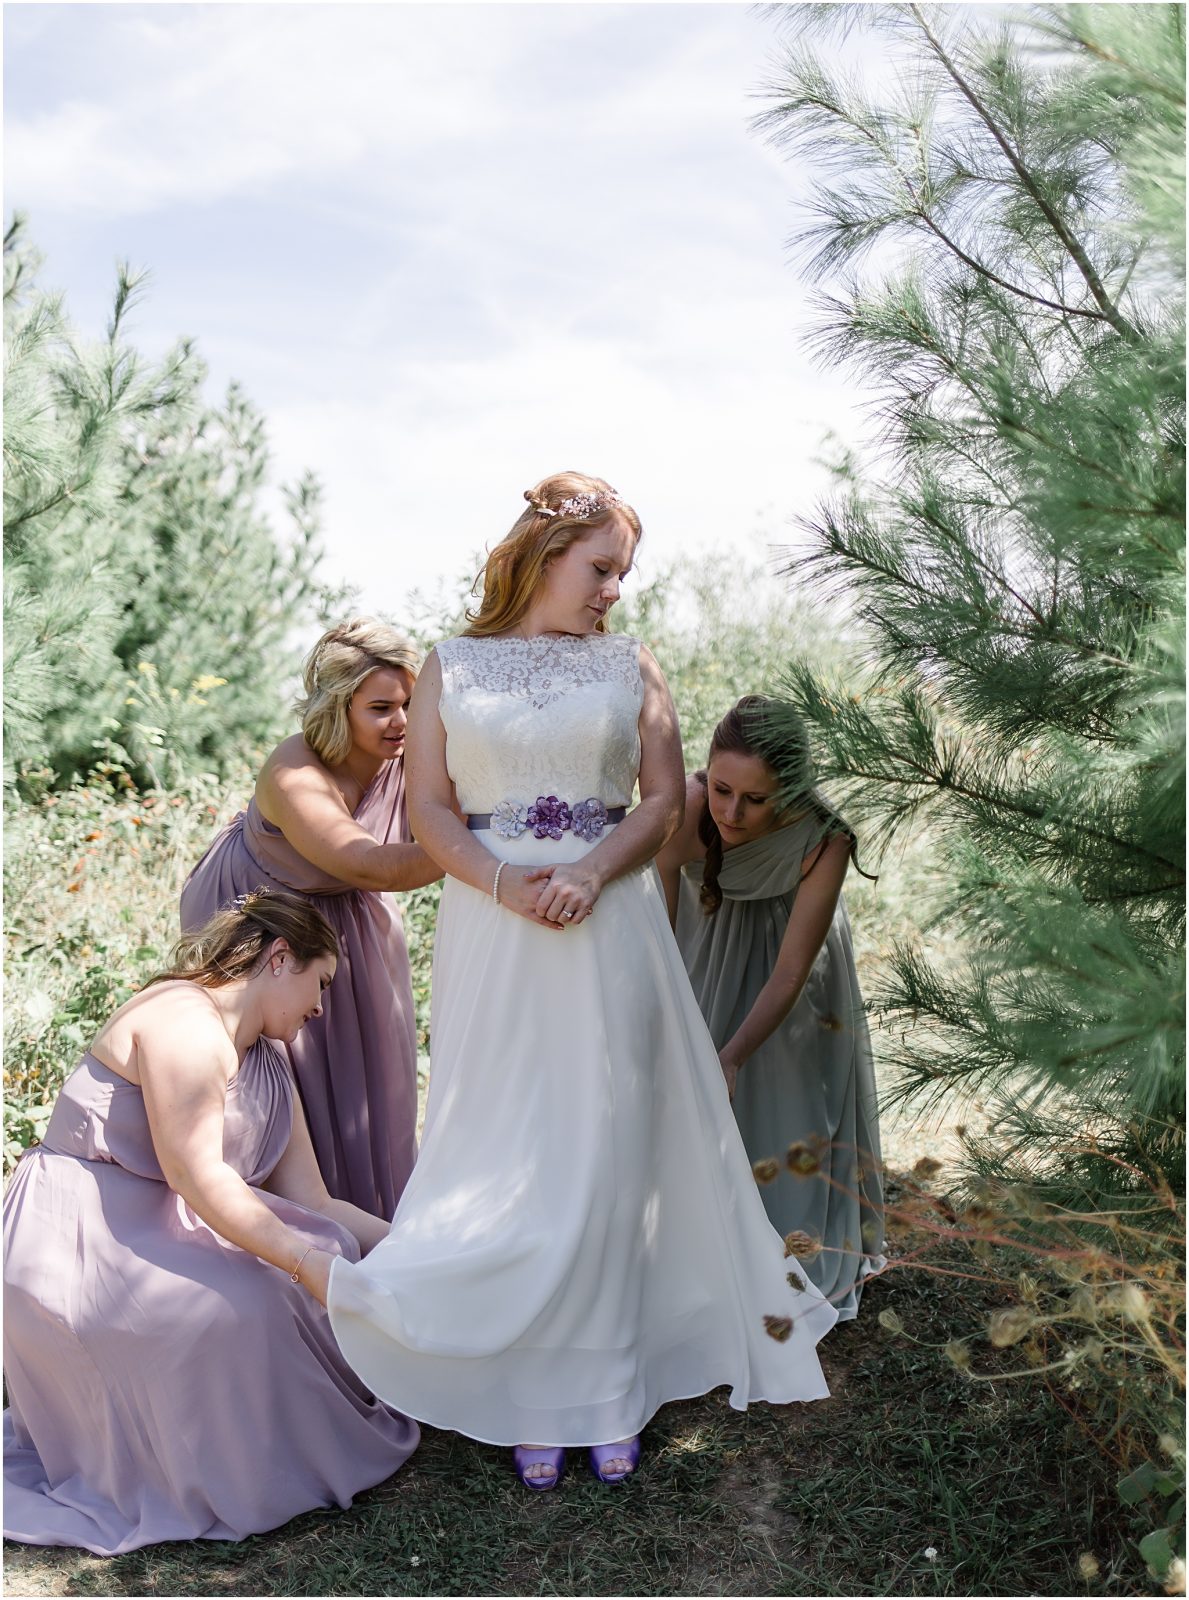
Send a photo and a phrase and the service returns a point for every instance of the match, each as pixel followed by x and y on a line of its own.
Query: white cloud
pixel 449 249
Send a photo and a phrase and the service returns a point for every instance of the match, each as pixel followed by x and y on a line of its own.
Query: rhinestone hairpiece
pixel 243 901
pixel 582 506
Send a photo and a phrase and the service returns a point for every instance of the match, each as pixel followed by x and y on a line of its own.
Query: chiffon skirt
pixel 164 1384
pixel 581 1239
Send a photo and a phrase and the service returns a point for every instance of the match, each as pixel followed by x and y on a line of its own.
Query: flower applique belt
pixel 549 818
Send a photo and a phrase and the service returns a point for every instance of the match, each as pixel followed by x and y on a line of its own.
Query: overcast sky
pixel 446 249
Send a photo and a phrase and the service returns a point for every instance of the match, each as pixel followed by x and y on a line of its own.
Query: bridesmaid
pixel 171 1370
pixel 753 883
pixel 328 822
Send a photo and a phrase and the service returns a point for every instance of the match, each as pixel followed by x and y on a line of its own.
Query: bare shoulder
pixel 291 755
pixel 650 669
pixel 695 808
pixel 294 769
pixel 429 679
pixel 686 844
pixel 173 1019
pixel 832 854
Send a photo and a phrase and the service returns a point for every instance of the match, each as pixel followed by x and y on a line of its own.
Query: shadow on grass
pixel 845 1497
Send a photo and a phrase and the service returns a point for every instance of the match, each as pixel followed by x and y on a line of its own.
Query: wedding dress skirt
pixel 581 1239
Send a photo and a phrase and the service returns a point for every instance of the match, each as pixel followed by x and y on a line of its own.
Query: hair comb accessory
pixel 583 506
pixel 579 506
pixel 541 510
pixel 242 902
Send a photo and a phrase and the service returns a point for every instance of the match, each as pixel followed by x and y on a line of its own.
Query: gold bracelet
pixel 300 1259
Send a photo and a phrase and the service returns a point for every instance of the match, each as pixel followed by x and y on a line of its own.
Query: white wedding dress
pixel 581 1239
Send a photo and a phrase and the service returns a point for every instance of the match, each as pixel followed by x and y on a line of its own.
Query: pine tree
pixel 1002 243
pixel 152 616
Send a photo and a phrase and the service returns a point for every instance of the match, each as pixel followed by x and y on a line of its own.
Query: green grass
pixel 843 1498
pixel 839 1498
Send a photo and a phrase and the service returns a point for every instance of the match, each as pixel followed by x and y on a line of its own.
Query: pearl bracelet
pixel 495 887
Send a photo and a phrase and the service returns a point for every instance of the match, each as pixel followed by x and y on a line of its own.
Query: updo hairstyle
pixel 513 570
pixel 343 657
pixel 232 943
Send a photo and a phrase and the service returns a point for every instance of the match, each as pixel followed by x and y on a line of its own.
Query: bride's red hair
pixel 514 569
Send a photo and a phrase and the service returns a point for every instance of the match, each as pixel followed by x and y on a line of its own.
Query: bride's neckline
pixel 536 638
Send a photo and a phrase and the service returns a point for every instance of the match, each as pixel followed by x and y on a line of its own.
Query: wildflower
pixel 890 1321
pixel 930 1552
pixel 765 1171
pixel 1130 1301
pixel 145 666
pixel 958 1353
pixel 778 1328
pixel 797 1282
pixel 926 1167
pixel 801 1160
pixel 801 1245
pixel 1174 1578
pixel 1087 1566
pixel 1009 1326
pixel 414 1561
pixel 207 681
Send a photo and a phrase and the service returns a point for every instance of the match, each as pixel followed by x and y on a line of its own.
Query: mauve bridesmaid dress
pixel 356 1064
pixel 164 1384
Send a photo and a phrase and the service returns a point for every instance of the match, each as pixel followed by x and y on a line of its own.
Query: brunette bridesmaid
pixel 328 822
pixel 754 886
pixel 171 1371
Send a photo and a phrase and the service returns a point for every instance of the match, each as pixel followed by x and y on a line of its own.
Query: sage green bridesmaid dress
pixel 812 1082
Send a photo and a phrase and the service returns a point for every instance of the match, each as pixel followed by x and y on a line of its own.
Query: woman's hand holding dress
pixel 185 1060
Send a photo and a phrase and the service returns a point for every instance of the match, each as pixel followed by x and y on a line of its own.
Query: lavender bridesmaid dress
pixel 163 1383
pixel 356 1064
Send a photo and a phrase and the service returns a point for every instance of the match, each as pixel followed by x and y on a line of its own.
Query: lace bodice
pixel 550 715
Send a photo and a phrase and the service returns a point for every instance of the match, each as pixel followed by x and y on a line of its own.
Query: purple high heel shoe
pixel 600 1454
pixel 523 1458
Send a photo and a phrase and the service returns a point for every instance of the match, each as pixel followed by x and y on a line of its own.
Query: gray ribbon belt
pixel 587 820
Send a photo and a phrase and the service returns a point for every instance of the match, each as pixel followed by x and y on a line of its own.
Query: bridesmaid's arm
pixel 434 817
pixel 184 1059
pixel 296 1177
pixel 302 799
pixel 809 922
pixel 685 845
pixel 648 825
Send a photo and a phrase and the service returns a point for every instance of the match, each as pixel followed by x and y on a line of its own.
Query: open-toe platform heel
pixel 627 1450
pixel 523 1458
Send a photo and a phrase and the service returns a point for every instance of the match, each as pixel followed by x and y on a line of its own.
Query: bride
pixel 581 1239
